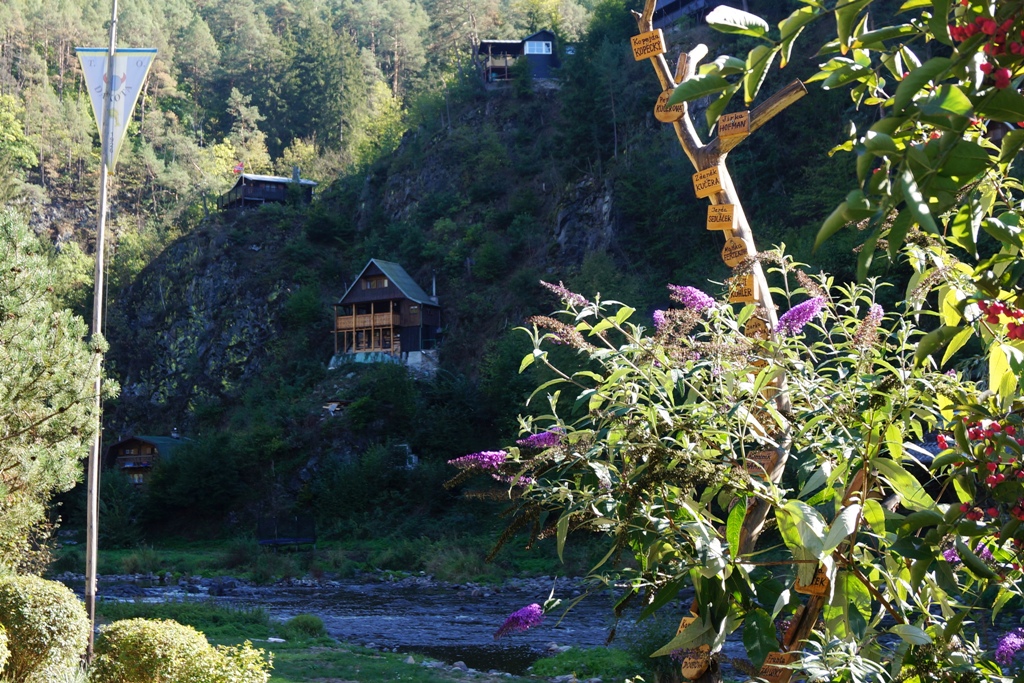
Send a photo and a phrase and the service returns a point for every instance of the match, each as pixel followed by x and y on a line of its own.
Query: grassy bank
pixel 308 654
pixel 456 559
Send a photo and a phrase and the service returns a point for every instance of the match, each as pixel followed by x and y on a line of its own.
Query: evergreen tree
pixel 46 396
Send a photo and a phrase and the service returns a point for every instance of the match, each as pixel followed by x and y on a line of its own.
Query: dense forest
pixel 381 102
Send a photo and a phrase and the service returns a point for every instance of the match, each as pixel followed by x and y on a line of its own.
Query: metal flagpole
pixel 92 505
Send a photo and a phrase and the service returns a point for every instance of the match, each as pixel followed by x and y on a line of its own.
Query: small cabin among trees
pixel 386 312
pixel 500 56
pixel 253 190
pixel 137 455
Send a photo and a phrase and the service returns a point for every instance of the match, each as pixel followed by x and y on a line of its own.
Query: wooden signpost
pixel 734 252
pixel 712 181
pixel 818 585
pixel 730 125
pixel 648 44
pixel 744 290
pixel 665 113
pixel 761 463
pixel 756 328
pixel 773 670
pixel 721 217
pixel 707 182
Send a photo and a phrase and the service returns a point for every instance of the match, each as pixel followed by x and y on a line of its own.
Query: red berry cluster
pixel 994 461
pixel 994 310
pixel 998 44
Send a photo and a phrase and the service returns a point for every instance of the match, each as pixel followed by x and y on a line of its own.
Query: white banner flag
pixel 131 66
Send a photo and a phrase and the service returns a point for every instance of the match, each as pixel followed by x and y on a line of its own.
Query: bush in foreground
pixel 154 651
pixel 46 628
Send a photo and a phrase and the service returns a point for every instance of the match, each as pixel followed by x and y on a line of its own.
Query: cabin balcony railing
pixel 366 321
pixel 501 62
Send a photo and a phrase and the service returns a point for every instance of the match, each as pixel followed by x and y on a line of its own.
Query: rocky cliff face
pixel 195 325
pixel 477 206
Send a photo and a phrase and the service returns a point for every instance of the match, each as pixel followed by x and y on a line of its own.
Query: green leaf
pixel 909 489
pixel 731 20
pixel 972 561
pixel 723 65
pixel 759 636
pixel 758 61
pixel 1012 142
pixel 1007 234
pixel 956 343
pixel 964 227
pixel 791 27
pixel 898 232
pixel 527 361
pixel 1003 105
pixel 697 87
pixel 846 17
pixel 561 531
pixel 842 527
pixel 716 108
pixel 937 24
pixel 695 634
pixel 844 75
pixel 623 314
pixel 916 80
pixel 917 203
pixel 967 160
pixel 947 99
pixel 832 224
pixel 1001 378
pixel 911 634
pixel 875 38
pixel 874 515
pixel 734 525
pixel 933 341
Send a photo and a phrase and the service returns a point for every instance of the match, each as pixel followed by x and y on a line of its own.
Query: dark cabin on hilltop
pixel 499 56
pixel 253 190
pixel 386 312
pixel 137 455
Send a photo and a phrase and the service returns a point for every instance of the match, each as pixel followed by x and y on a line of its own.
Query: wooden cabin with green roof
pixel 136 456
pixel 386 313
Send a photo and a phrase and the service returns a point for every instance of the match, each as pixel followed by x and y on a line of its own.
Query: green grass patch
pixel 221 623
pixel 353 663
pixel 607 663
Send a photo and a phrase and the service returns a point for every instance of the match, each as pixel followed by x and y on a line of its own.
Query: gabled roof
pixel 543 31
pixel 401 279
pixel 277 179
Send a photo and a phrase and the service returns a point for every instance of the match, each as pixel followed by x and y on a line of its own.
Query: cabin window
pixel 538 47
pixel 128 451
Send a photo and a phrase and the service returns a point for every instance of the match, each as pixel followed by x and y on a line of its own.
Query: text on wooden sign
pixel 707 182
pixel 665 113
pixel 721 216
pixel 734 124
pixel 647 45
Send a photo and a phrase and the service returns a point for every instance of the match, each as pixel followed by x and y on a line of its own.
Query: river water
pixel 448 622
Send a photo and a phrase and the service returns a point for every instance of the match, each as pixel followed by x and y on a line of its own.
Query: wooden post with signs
pixel 712 180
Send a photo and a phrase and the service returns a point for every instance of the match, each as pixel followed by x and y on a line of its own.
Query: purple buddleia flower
pixel 563 293
pixel 520 620
pixel 1009 645
pixel 691 297
pixel 983 552
pixel 951 555
pixel 793 320
pixel 484 460
pixel 547 439
pixel 659 320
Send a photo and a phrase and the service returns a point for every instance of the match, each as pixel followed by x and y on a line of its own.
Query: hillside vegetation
pixel 220 324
